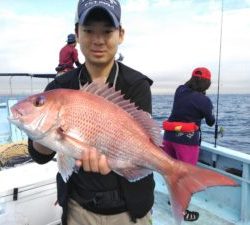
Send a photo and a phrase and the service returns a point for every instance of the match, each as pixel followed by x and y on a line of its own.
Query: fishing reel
pixel 221 131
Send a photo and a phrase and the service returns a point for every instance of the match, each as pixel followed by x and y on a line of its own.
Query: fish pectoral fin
pixel 77 145
pixel 65 130
pixel 133 174
pixel 66 165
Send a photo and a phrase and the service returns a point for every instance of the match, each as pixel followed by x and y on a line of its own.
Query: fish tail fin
pixel 188 179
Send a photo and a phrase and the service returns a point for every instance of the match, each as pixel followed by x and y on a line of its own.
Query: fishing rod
pixel 218 82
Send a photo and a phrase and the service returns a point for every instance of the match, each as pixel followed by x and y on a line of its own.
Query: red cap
pixel 202 72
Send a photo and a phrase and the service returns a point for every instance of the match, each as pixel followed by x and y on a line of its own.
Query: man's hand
pixel 93 161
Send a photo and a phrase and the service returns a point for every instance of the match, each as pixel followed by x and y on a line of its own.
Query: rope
pixel 13 153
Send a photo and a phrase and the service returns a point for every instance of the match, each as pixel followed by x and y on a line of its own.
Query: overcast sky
pixel 164 39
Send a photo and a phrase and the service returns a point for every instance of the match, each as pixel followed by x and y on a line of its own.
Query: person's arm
pixel 78 64
pixel 209 115
pixel 42 149
pixel 39 153
pixel 75 58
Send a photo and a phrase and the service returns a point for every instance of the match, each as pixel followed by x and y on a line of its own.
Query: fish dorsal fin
pixel 142 117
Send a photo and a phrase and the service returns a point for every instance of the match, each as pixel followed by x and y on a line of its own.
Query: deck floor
pixel 162 214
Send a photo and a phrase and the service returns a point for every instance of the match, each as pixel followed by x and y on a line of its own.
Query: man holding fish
pixel 106 147
pixel 94 191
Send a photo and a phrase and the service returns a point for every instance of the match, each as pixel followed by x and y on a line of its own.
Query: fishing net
pixel 14 153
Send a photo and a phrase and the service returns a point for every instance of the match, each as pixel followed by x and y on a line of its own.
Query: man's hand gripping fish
pixel 69 121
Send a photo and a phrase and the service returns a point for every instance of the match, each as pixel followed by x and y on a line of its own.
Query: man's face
pixel 99 41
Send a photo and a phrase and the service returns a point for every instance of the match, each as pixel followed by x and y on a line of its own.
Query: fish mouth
pixel 16 119
pixel 36 135
pixel 15 115
pixel 13 119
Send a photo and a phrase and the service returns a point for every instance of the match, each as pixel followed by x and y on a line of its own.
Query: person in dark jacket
pixel 182 129
pixel 97 195
pixel 68 56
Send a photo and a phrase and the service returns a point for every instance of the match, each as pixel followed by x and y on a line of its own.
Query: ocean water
pixel 233 117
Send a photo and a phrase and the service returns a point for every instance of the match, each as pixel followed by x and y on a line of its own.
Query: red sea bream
pixel 69 121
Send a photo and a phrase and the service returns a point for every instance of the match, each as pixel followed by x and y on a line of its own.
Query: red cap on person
pixel 202 72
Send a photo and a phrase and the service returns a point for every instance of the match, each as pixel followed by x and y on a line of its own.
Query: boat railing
pixel 235 164
pixel 30 75
pixel 10 93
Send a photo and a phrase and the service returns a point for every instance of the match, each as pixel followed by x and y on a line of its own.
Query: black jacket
pixel 86 188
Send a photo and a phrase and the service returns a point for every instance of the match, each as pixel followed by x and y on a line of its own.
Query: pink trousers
pixel 185 153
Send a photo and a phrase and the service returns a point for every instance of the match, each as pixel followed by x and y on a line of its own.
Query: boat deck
pixel 162 214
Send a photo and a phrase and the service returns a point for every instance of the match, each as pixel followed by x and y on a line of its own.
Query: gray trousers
pixel 79 216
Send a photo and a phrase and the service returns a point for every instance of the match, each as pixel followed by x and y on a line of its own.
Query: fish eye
pixel 39 101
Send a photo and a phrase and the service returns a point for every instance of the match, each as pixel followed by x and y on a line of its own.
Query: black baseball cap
pixel 111 7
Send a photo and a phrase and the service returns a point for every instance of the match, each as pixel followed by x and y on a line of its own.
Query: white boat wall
pixel 28 195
